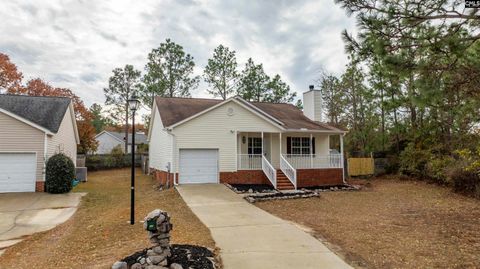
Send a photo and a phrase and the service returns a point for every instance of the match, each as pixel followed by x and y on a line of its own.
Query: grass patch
pixel 392 224
pixel 98 234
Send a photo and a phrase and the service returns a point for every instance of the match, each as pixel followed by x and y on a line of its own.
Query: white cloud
pixel 76 44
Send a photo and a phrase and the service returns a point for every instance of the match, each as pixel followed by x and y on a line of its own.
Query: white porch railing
pixel 269 171
pixel 313 161
pixel 288 170
pixel 249 161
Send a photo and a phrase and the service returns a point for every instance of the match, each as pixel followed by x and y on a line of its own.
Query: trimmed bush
pixel 60 172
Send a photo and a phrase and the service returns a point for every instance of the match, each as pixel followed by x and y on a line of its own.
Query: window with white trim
pixel 300 145
pixel 254 145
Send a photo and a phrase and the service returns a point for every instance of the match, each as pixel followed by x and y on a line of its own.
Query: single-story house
pixel 193 140
pixel 107 140
pixel 33 128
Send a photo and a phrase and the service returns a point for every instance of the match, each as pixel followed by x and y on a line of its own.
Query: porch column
pixel 341 157
pixel 311 153
pixel 236 149
pixel 280 139
pixel 262 144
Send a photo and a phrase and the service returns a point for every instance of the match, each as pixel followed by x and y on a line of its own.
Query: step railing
pixel 288 170
pixel 249 161
pixel 269 171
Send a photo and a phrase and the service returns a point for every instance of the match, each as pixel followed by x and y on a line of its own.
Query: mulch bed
pixel 188 256
pixel 281 195
pixel 251 188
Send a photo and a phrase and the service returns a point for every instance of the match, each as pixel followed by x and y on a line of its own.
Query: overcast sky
pixel 76 44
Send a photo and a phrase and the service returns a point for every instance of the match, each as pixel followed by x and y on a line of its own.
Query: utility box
pixel 81 174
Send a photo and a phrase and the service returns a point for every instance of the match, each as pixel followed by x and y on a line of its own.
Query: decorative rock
pixel 120 265
pixel 163 235
pixel 159 236
pixel 158 249
pixel 136 266
pixel 155 267
pixel 175 266
pixel 157 259
pixel 154 214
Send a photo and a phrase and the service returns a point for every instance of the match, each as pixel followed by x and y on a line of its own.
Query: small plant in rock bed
pixel 60 172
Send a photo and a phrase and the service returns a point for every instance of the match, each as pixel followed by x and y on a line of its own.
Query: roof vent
pixel 311 87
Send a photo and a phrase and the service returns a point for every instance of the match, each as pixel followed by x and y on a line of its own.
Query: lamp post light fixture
pixel 133 104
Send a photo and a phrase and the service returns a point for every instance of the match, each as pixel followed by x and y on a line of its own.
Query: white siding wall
pixel 216 130
pixel 64 140
pixel 106 143
pixel 322 142
pixel 16 136
pixel 160 145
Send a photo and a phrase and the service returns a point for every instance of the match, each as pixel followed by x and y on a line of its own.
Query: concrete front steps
pixel 283 183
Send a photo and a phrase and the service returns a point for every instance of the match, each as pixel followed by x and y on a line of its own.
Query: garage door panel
pixel 198 166
pixel 17 172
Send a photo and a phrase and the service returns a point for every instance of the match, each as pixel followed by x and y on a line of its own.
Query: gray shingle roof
pixel 44 111
pixel 176 109
pixel 139 138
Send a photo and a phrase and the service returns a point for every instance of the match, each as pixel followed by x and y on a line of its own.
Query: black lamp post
pixel 133 104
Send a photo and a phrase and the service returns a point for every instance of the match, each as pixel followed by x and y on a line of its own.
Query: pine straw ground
pixel 98 234
pixel 392 224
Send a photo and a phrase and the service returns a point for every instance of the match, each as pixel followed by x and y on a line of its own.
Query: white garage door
pixel 17 172
pixel 198 166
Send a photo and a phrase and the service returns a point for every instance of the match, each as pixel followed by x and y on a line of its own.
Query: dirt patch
pixel 392 224
pixel 99 233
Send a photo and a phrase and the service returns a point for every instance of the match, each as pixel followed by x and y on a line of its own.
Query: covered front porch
pixel 292 159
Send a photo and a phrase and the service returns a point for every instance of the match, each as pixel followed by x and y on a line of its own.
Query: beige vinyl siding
pixel 160 145
pixel 64 140
pixel 217 129
pixel 16 136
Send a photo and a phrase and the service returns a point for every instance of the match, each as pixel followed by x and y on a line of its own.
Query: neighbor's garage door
pixel 17 172
pixel 198 166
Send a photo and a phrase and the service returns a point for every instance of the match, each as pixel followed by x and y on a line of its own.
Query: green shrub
pixel 413 161
pixel 437 169
pixel 142 148
pixel 466 182
pixel 117 156
pixel 60 172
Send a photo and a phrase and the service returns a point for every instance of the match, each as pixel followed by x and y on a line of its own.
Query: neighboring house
pixel 107 140
pixel 234 141
pixel 33 128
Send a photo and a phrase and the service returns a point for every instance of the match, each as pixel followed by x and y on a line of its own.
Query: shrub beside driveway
pixel 98 234
pixel 392 224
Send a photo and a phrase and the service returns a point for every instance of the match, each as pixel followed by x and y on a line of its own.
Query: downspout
pixel 45 148
pixel 174 150
pixel 342 158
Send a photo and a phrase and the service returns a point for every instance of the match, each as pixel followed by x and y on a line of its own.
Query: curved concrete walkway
pixel 252 238
pixel 23 214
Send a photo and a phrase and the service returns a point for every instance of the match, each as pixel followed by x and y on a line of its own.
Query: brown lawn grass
pixel 392 224
pixel 98 234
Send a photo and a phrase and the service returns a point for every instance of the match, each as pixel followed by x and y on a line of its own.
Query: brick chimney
pixel 312 104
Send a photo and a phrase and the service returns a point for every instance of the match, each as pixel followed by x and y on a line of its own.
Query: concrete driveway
pixel 252 238
pixel 23 214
